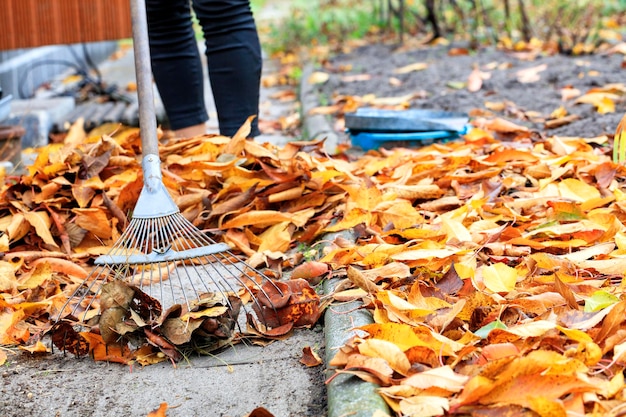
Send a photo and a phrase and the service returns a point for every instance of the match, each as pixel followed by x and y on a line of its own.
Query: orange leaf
pixel 311 271
pixel 499 125
pixel 351 219
pixel 475 80
pixel 159 412
pixel 497 351
pixel 378 348
pixel 524 389
pixel 507 155
pixel 258 218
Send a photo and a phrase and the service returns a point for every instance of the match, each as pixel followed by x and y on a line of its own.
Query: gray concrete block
pixel 38 116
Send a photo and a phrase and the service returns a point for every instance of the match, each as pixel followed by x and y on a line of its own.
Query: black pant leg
pixel 235 62
pixel 176 63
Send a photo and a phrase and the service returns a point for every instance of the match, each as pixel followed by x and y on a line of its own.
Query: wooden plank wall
pixel 32 23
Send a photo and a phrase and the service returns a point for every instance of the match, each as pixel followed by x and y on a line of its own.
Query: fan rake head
pixel 167 282
pixel 165 274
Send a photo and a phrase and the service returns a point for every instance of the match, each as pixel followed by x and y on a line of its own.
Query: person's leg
pixel 234 57
pixel 176 65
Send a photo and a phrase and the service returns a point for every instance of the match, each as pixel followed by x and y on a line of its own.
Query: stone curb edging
pixel 347 394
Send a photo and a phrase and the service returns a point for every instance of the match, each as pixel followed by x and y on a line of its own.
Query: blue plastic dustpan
pixel 373 128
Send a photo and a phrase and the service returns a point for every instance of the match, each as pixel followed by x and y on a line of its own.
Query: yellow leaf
pixel 38 347
pixel 8 283
pixel 258 218
pixel 546 407
pixel 558 113
pixel 40 220
pixel 465 271
pixel 208 312
pixel 351 219
pixel 9 333
pixel 417 66
pixel 455 230
pixel 474 389
pixel 499 277
pixel 475 80
pixel 94 220
pixel 395 357
pixel 578 190
pixel 443 377
pixel 406 337
pixel 318 77
pixel 532 329
pixel 361 281
pixel 424 406
pixel 18 227
pixel 576 335
pixel 426 254
pixel 530 75
pixel 276 237
pixel 606 105
pixel 391 101
pixel 603 101
pixel 39 275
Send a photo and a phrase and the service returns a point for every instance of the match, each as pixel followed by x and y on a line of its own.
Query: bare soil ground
pixel 437 86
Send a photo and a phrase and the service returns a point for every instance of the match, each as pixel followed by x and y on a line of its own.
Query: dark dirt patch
pixel 543 96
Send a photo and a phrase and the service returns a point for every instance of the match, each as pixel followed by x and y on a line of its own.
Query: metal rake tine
pixel 86 291
pixel 244 272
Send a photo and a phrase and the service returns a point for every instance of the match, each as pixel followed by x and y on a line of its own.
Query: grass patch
pixel 574 26
pixel 311 23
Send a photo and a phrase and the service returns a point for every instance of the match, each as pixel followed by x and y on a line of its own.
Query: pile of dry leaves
pixel 76 200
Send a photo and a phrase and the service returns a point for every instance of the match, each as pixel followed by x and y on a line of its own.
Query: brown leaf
pixel 179 332
pixel 260 412
pixel 310 358
pixel 163 345
pixel 566 292
pixel 69 340
pixel 361 281
pixel 293 303
pixel 235 203
pixel 450 283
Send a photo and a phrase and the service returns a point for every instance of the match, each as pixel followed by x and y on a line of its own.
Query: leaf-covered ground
pixel 493 265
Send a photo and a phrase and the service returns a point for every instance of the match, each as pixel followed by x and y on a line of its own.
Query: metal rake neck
pixel 154 200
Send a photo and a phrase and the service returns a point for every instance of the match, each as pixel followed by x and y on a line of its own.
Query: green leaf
pixel 484 331
pixel 599 300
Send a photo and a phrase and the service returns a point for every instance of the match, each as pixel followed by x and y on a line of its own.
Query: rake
pixel 161 252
